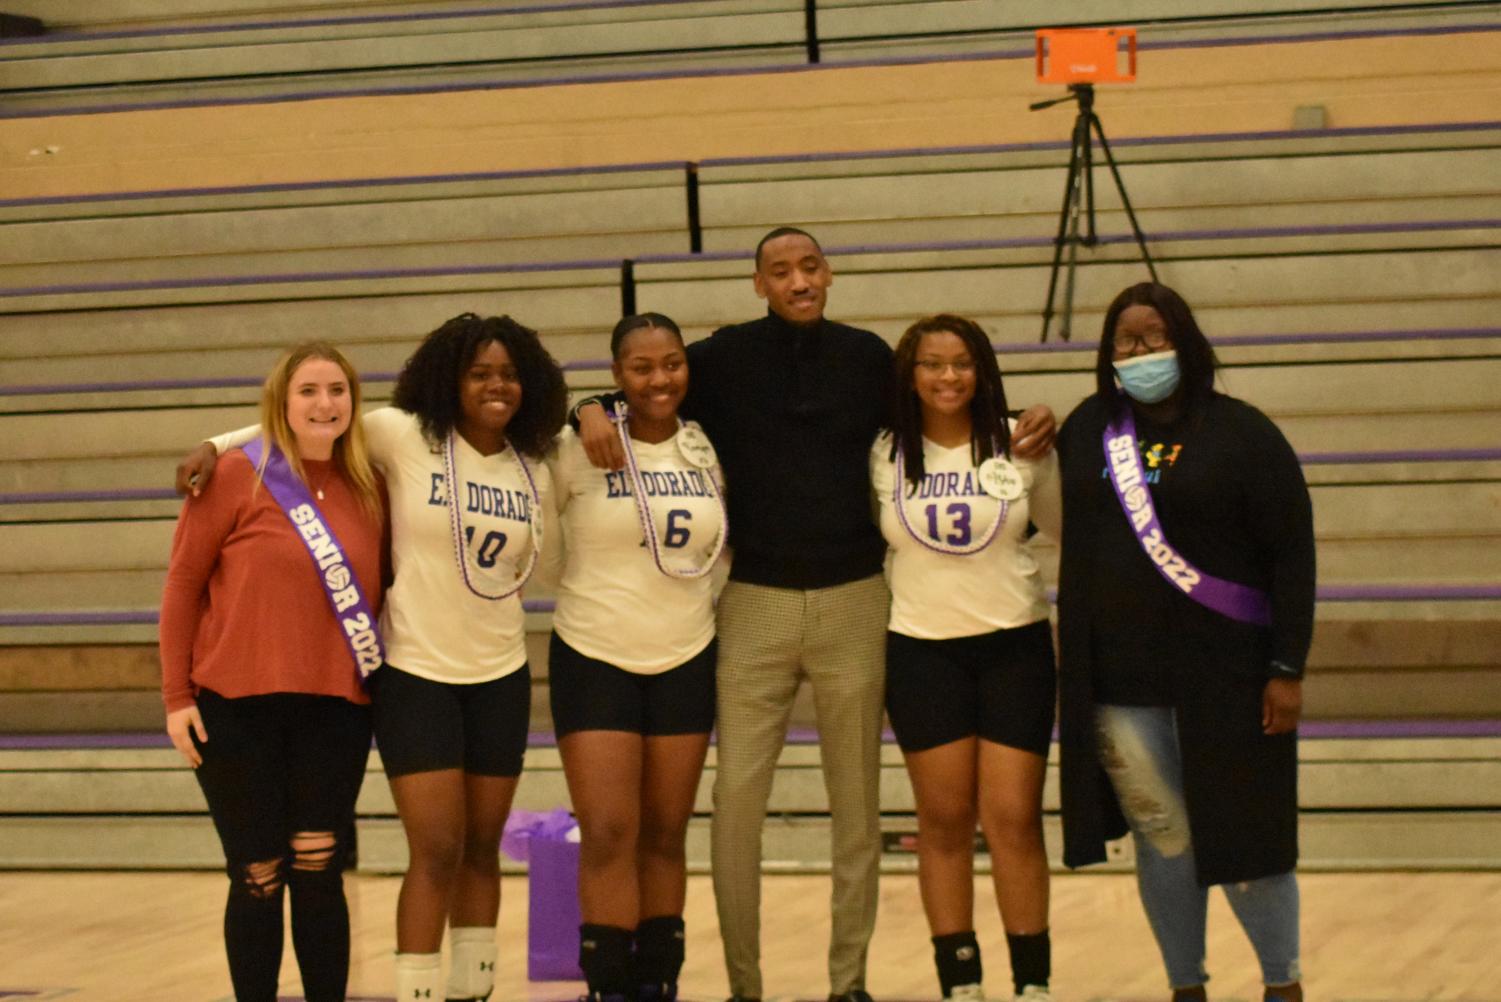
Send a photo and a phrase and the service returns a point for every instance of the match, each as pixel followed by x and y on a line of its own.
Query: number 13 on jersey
pixel 957 514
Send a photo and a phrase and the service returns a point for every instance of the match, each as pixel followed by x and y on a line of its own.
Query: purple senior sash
pixel 1123 459
pixel 356 621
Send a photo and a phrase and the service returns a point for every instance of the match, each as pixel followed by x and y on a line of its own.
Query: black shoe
pixel 742 998
pixel 661 992
pixel 853 995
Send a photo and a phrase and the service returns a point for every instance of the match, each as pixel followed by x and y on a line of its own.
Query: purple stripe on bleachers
pixel 1326 229
pixel 1409 593
pixel 565 80
pixel 613 265
pixel 210 383
pixel 1400 729
pixel 1419 728
pixel 219 382
pixel 112 739
pixel 1063 144
pixel 1229 341
pixel 1259 340
pixel 675 166
pixel 150 739
pixel 1377 593
pixel 297 278
pixel 1326 593
pixel 91 618
pixel 1307 458
pixel 1317 729
pixel 1422 728
pixel 1399 456
pixel 141 617
pixel 1014 243
pixel 123 494
pixel 712 162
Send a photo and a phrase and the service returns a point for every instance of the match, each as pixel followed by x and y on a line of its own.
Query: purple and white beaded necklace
pixel 998 477
pixel 697 450
pixel 456 521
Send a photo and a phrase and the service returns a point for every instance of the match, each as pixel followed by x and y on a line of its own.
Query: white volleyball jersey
pixel 614 605
pixel 432 624
pixel 938 596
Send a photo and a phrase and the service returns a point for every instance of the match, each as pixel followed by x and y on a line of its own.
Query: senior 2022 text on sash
pixel 357 622
pixel 1237 601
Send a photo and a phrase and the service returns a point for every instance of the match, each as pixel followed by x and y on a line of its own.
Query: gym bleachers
pixel 1347 275
pixel 146 53
pixel 1371 798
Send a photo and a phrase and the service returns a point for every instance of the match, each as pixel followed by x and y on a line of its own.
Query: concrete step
pixel 1368 802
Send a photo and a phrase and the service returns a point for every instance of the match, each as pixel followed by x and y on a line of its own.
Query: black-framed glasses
pixel 1151 339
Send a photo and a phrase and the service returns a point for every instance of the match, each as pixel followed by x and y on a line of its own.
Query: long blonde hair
pixel 349 448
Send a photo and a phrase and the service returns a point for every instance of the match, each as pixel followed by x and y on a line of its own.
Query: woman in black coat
pixel 1185 614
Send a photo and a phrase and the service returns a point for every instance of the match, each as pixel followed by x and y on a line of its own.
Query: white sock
pixel 471 972
pixel 419 977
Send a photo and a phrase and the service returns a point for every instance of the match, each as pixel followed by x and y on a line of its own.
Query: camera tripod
pixel 1078 201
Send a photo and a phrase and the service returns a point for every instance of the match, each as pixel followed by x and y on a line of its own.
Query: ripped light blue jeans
pixel 1139 750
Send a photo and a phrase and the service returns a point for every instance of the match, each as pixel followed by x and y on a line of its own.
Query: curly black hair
pixel 429 382
pixel 990 429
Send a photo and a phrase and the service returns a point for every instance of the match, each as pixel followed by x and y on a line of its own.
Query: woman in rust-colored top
pixel 261 675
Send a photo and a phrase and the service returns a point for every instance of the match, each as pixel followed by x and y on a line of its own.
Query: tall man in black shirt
pixel 792 402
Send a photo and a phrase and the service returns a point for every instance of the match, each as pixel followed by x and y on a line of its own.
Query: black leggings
pixel 281 773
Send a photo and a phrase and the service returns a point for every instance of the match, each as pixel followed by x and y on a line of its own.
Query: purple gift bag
pixel 542 840
pixel 552 929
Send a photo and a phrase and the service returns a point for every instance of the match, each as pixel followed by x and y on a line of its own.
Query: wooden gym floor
pixel 1367 937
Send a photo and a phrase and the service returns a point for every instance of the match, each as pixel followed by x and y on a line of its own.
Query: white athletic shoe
pixel 1035 993
pixel 967 993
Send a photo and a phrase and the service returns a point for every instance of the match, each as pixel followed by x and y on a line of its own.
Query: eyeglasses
pixel 935 368
pixel 1151 339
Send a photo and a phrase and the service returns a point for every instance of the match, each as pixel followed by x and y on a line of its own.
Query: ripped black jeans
pixel 281 773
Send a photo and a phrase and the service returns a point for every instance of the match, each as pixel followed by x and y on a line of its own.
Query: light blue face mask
pixel 1149 379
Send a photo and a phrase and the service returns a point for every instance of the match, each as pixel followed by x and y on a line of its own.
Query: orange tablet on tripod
pixel 1085 55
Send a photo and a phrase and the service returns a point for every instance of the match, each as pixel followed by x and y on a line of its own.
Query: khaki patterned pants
pixel 769 640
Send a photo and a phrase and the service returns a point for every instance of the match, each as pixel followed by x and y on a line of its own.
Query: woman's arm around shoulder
pixel 1045 499
pixel 559 465
pixel 197 468
pixel 384 428
pixel 563 459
